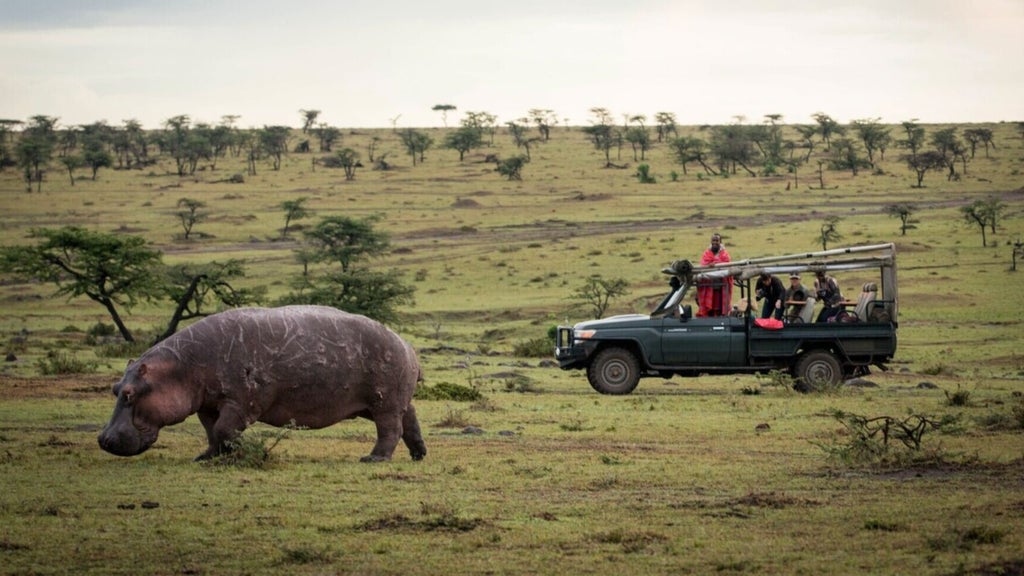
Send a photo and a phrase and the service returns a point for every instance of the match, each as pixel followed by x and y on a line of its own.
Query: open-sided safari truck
pixel 616 352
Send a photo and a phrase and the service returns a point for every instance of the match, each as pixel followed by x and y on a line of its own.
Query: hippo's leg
pixel 389 430
pixel 221 428
pixel 411 435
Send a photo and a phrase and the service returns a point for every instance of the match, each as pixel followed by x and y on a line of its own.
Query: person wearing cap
pixel 771 290
pixel 796 294
pixel 828 292
pixel 714 296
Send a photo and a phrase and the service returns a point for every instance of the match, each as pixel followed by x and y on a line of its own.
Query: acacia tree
pixel 731 145
pixel 914 137
pixel 116 271
pixel 691 149
pixel 807 134
pixel 189 214
pixel 923 162
pixel 666 124
pixel 904 211
pixel 308 119
pixel 828 128
pixel 980 213
pixel 293 210
pixel 345 246
pixel 640 140
pixel 829 231
pixel 463 140
pixel 485 122
pixel 33 153
pixel 273 140
pixel 194 286
pixel 975 136
pixel 873 136
pixel 443 109
pixel 95 155
pixel 598 292
pixel 346 158
pixel 416 143
pixel 952 149
pixel 543 119
pixel 846 156
pixel 71 163
pixel 512 168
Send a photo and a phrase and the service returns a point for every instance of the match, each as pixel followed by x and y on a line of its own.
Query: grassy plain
pixel 677 478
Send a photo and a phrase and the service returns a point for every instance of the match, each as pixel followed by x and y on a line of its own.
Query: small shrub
pixel 519 383
pixel 63 363
pixel 777 378
pixel 643 174
pixel 938 369
pixel 958 398
pixel 101 330
pixel 454 419
pixel 448 391
pixel 534 348
pixel 885 441
pixel 250 450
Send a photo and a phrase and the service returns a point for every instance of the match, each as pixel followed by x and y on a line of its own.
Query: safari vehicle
pixel 617 352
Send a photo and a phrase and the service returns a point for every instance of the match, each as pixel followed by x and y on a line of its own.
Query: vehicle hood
pixel 612 322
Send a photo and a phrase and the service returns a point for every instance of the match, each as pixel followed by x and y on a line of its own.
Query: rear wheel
pixel 818 370
pixel 614 371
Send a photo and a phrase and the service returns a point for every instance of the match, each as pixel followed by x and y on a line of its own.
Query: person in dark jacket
pixel 771 290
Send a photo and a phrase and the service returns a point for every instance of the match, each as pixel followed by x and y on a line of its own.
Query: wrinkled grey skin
pixel 310 366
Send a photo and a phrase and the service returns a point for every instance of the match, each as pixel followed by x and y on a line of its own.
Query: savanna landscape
pixel 490 243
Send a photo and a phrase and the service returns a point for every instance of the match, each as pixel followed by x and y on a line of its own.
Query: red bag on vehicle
pixel 769 323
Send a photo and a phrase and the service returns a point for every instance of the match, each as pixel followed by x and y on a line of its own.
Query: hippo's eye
pixel 128 396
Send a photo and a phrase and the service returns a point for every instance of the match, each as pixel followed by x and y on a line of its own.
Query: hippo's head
pixel 148 398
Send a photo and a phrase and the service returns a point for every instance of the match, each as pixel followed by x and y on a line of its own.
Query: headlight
pixel 583 334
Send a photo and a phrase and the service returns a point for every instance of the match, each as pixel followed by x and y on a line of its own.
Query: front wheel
pixel 818 370
pixel 614 371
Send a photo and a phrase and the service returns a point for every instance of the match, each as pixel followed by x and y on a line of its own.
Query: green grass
pixel 679 477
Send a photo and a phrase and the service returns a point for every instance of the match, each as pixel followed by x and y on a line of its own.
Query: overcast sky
pixel 364 63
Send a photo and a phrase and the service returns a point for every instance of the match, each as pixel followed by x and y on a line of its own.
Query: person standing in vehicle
pixel 771 290
pixel 828 292
pixel 714 296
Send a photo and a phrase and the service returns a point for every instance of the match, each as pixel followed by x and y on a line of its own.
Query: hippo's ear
pixel 143 369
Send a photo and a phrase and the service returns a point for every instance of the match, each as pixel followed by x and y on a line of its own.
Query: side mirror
pixel 685 312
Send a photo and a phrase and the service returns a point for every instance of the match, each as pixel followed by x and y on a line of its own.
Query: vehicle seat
pixel 866 302
pixel 807 312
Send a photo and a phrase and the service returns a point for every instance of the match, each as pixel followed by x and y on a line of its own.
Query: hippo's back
pixel 301 343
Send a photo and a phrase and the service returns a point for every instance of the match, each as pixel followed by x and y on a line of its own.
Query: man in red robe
pixel 714 297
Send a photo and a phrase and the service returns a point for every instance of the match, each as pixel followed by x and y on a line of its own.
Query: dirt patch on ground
pixel 78 385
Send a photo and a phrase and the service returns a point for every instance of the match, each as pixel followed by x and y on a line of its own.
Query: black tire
pixel 818 370
pixel 614 371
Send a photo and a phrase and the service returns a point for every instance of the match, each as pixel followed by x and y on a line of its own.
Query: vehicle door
pixel 698 341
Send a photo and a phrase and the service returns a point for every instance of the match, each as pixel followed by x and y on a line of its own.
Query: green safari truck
pixel 617 352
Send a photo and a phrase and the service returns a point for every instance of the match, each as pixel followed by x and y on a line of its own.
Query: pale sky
pixel 363 63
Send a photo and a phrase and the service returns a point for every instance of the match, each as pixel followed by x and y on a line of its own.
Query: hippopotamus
pixel 304 366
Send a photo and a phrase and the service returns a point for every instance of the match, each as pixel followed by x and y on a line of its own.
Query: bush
pixel 251 450
pixel 534 348
pixel 63 363
pixel 448 391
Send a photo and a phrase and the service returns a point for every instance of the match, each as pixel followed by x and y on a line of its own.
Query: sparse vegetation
pixel 560 475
